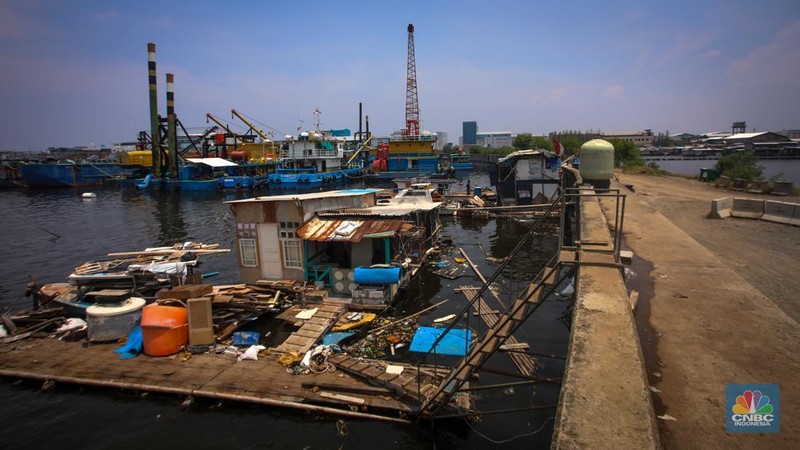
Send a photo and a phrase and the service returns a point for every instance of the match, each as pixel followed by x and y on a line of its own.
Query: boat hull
pixel 71 175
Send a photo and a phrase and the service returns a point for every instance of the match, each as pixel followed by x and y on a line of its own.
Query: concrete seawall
pixel 605 401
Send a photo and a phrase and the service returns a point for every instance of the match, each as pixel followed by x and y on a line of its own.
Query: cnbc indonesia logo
pixel 752 410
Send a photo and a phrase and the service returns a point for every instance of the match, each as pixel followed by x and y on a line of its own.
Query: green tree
pixel 742 165
pixel 571 144
pixel 626 154
pixel 542 142
pixel 523 141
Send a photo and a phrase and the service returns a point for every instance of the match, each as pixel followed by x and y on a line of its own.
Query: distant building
pixel 682 138
pixel 469 133
pixel 641 138
pixel 495 139
pixel 441 140
pixel 763 144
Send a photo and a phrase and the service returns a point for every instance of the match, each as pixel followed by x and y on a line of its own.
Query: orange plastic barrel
pixel 165 329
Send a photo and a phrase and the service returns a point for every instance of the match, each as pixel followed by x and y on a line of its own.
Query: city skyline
pixel 76 73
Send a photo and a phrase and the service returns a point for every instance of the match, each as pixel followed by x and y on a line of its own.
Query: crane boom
pixel 260 133
pixel 218 122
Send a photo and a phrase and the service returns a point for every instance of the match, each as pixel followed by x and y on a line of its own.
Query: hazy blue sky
pixel 74 72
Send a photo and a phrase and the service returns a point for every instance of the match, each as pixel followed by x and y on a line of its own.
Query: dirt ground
pixel 724 308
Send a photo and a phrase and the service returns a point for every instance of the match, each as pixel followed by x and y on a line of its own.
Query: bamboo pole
pixel 381 328
pixel 482 278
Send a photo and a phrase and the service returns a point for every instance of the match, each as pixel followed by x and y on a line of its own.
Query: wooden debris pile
pixel 36 323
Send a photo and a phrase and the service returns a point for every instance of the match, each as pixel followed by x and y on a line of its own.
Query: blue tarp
pixel 246 338
pixel 336 337
pixel 133 346
pixel 455 342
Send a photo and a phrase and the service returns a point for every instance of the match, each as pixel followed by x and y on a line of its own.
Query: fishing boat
pixel 313 159
pixel 460 161
pixel 405 156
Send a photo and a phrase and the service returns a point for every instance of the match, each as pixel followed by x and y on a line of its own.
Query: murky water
pixel 47 233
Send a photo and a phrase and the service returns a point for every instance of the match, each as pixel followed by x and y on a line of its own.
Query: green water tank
pixel 597 161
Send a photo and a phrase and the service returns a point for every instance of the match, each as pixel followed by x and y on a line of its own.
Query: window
pixel 292 252
pixel 247 252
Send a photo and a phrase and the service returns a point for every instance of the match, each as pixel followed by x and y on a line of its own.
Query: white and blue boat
pixel 313 159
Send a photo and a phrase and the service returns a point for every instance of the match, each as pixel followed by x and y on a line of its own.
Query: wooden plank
pixel 359 366
pixel 387 377
pixel 344 398
pixel 372 372
pixel 303 332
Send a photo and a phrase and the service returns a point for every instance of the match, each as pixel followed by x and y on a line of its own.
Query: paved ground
pixel 724 309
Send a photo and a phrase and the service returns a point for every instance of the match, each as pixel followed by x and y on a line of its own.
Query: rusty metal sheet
pixel 318 229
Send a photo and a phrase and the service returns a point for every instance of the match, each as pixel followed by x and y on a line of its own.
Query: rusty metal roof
pixel 350 230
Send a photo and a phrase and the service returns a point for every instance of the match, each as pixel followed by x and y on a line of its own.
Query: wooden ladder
pixel 497 334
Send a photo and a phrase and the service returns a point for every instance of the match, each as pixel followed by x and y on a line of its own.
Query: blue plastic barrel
pixel 377 275
pixel 477 191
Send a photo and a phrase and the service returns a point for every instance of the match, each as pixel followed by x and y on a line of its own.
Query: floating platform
pixel 208 375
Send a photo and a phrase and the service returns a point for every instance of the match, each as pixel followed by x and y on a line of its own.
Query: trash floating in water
pixel 444 319
pixel 89 195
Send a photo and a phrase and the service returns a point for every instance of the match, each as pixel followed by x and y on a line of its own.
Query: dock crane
pixel 260 133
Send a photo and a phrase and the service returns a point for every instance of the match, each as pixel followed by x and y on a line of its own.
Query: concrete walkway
pixel 711 327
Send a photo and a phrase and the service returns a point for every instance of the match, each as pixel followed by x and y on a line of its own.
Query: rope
pixel 504 441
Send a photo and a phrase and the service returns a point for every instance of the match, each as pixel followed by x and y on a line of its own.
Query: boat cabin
pixel 526 177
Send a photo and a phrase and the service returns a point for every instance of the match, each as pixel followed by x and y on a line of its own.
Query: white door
pixel 271 267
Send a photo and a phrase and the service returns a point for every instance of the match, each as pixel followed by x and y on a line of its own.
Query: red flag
pixel 558 149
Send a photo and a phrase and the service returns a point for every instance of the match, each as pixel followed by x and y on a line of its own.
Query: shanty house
pixel 323 237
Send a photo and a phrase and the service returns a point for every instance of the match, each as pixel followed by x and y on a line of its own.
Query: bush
pixel 742 165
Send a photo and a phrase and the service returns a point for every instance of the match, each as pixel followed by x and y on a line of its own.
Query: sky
pixel 75 73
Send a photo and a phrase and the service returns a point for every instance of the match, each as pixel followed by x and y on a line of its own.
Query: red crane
pixel 412 102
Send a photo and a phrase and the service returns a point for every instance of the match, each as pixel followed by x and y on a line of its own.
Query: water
pixel 784 169
pixel 124 220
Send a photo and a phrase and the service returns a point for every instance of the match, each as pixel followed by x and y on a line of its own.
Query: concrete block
pixel 796 218
pixel 739 184
pixel 758 187
pixel 782 188
pixel 720 208
pixel 747 208
pixel 723 182
pixel 780 212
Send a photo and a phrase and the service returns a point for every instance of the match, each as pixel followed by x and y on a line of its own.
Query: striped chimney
pixel 154 133
pixel 171 132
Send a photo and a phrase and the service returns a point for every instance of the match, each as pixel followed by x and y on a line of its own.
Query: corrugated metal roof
pixel 350 230
pixel 307 196
pixel 745 135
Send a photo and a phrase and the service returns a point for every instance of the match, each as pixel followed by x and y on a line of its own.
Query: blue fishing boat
pixel 460 162
pixel 313 159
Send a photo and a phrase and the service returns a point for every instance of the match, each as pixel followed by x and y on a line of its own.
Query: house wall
pixel 362 253
pixel 247 216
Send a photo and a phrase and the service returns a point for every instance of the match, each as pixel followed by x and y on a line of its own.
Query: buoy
pixel 89 195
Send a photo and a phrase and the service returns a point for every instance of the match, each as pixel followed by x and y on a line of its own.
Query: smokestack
pixel 171 133
pixel 360 136
pixel 154 133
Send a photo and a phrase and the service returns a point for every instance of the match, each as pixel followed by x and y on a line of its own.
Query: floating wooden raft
pixel 312 330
